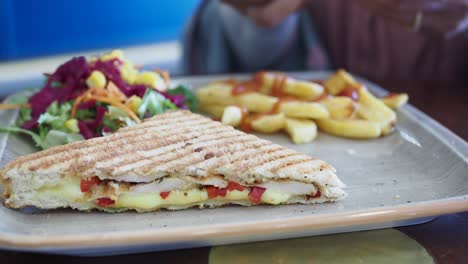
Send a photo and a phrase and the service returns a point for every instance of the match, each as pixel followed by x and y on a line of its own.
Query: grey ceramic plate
pixel 418 172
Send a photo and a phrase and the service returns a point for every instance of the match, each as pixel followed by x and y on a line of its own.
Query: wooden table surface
pixel 445 238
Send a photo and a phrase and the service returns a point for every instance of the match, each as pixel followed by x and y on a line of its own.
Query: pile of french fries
pixel 340 106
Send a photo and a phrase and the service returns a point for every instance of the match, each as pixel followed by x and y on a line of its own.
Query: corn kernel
pixel 128 72
pixel 134 102
pixel 96 79
pixel 72 125
pixel 115 54
pixel 151 79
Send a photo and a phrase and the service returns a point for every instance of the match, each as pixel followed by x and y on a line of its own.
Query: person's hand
pixel 436 17
pixel 266 13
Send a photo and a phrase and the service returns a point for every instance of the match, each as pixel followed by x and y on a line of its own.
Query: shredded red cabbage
pixel 67 82
pixel 84 130
pixel 177 99
pixel 30 124
pixel 93 125
pixel 88 128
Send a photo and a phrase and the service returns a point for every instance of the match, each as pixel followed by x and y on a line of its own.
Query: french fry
pixel 216 93
pixel 232 116
pixel 350 128
pixel 342 106
pixel 395 101
pixel 339 107
pixel 220 93
pixel 256 102
pixel 300 130
pixel 268 123
pixel 304 90
pixel 303 110
pixel 300 89
pixel 339 81
pixel 213 110
pixel 372 109
pixel 268 78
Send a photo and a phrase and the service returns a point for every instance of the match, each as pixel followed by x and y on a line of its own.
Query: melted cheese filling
pixel 69 189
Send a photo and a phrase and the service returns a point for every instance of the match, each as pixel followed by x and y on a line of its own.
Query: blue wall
pixel 30 28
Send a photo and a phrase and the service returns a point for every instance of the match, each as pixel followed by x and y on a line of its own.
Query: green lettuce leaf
pixel 44 139
pixel 24 115
pixel 56 138
pixel 115 113
pixel 12 129
pixel 24 112
pixel 191 99
pixel 56 116
pixel 153 103
pixel 84 114
pixel 110 123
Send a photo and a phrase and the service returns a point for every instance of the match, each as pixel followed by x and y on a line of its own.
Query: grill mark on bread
pixel 279 160
pixel 110 139
pixel 139 167
pixel 283 165
pixel 90 143
pixel 176 141
pixel 120 141
pixel 266 157
pixel 190 157
pixel 226 157
pixel 250 151
pixel 174 144
pixel 48 160
pixel 306 168
pixel 62 147
pixel 132 148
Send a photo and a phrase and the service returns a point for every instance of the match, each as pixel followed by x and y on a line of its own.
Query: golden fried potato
pixel 232 116
pixel 372 109
pixel 268 78
pixel 300 109
pixel 395 101
pixel 339 107
pixel 256 102
pixel 300 89
pixel 304 90
pixel 300 130
pixel 213 110
pixel 350 128
pixel 335 83
pixel 268 123
pixel 218 93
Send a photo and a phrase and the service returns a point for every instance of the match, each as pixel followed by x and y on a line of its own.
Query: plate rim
pixel 212 232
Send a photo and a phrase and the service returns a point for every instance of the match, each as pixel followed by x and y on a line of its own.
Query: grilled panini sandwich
pixel 174 160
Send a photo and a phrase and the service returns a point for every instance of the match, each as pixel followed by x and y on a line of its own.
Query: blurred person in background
pixel 378 39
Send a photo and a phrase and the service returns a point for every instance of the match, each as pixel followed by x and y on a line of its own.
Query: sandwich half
pixel 175 160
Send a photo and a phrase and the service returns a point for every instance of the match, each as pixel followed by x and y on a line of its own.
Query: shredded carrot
pixel 110 94
pixel 117 104
pixel 12 106
pixel 78 101
pixel 115 92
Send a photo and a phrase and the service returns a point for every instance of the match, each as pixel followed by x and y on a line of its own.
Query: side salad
pixel 87 98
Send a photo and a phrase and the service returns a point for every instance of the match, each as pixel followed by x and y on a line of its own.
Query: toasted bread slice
pixel 174 160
